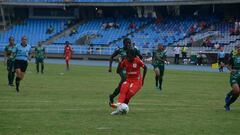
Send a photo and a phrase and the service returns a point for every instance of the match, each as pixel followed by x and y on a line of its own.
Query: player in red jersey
pixel 67 53
pixel 134 80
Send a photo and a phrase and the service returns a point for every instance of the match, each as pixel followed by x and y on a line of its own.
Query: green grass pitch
pixel 76 103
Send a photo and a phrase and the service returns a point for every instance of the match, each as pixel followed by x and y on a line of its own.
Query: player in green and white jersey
pixel 9 60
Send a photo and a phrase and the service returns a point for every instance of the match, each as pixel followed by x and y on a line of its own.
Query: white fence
pixel 98 50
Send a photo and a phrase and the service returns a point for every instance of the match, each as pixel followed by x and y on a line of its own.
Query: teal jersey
pixel 158 56
pixel 39 52
pixel 235 62
pixel 22 52
pixel 122 52
pixel 9 49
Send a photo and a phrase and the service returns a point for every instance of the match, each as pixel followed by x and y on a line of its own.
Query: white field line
pixel 92 109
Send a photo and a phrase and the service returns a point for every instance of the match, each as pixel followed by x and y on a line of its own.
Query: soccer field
pixel 76 103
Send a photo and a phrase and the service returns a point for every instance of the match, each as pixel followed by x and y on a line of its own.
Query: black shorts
pixel 39 60
pixel 21 64
pixel 220 60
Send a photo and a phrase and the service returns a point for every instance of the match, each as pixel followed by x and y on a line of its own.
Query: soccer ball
pixel 123 108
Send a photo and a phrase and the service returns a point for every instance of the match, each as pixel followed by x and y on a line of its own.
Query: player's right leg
pixel 21 67
pixel 42 66
pixel 123 91
pixel 157 74
pixel 67 63
pixel 232 96
pixel 122 97
pixel 134 87
pixel 37 65
pixel 161 76
pixel 117 90
pixel 9 72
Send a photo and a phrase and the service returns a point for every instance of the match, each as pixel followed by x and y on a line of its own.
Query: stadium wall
pixel 134 3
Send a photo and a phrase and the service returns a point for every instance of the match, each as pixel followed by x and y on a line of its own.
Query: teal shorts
pixel 235 79
pixel 39 60
pixel 160 67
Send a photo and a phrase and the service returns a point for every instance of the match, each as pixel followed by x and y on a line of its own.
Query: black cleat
pixel 110 100
pixel 17 89
pixel 10 85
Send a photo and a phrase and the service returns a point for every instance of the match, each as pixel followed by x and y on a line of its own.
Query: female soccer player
pixel 22 54
pixel 159 58
pixel 67 54
pixel 134 80
pixel 234 68
pixel 9 59
pixel 122 52
pixel 40 55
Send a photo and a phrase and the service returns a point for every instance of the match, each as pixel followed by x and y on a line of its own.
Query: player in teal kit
pixel 159 59
pixel 22 52
pixel 234 68
pixel 39 56
pixel 9 60
pixel 122 52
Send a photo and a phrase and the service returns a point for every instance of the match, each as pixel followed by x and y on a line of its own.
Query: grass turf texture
pixel 76 103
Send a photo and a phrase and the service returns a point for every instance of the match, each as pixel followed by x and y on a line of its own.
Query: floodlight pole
pixel 3 17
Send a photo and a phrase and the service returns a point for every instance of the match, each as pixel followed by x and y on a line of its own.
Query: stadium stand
pixel 105 30
pixel 52 1
pixel 225 35
pixel 34 29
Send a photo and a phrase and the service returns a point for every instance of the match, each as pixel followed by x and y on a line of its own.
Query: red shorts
pixel 128 89
pixel 67 58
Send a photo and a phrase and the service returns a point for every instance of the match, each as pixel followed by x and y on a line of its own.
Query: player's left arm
pixel 230 66
pixel 141 64
pixel 144 73
pixel 163 59
pixel 44 53
pixel 71 49
pixel 35 52
pixel 120 67
pixel 5 56
pixel 30 54
pixel 138 53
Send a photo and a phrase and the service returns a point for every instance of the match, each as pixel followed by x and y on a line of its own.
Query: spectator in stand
pixel 200 58
pixel 190 42
pixel 221 59
pixel 204 43
pixel 50 30
pixel 236 26
pixel 116 25
pixel 208 42
pixel 132 25
pixel 69 23
pixel 73 31
pixel 176 51
pixel 191 30
pixel 232 32
pixel 158 20
pixel 203 25
pixel 104 25
pixel 145 45
pixel 184 52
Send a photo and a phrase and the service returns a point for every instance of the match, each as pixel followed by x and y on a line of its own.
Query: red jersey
pixel 67 50
pixel 132 68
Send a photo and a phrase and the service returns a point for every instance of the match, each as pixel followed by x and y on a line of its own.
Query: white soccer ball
pixel 123 108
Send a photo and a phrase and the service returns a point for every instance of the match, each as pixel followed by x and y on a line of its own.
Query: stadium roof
pixel 113 2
